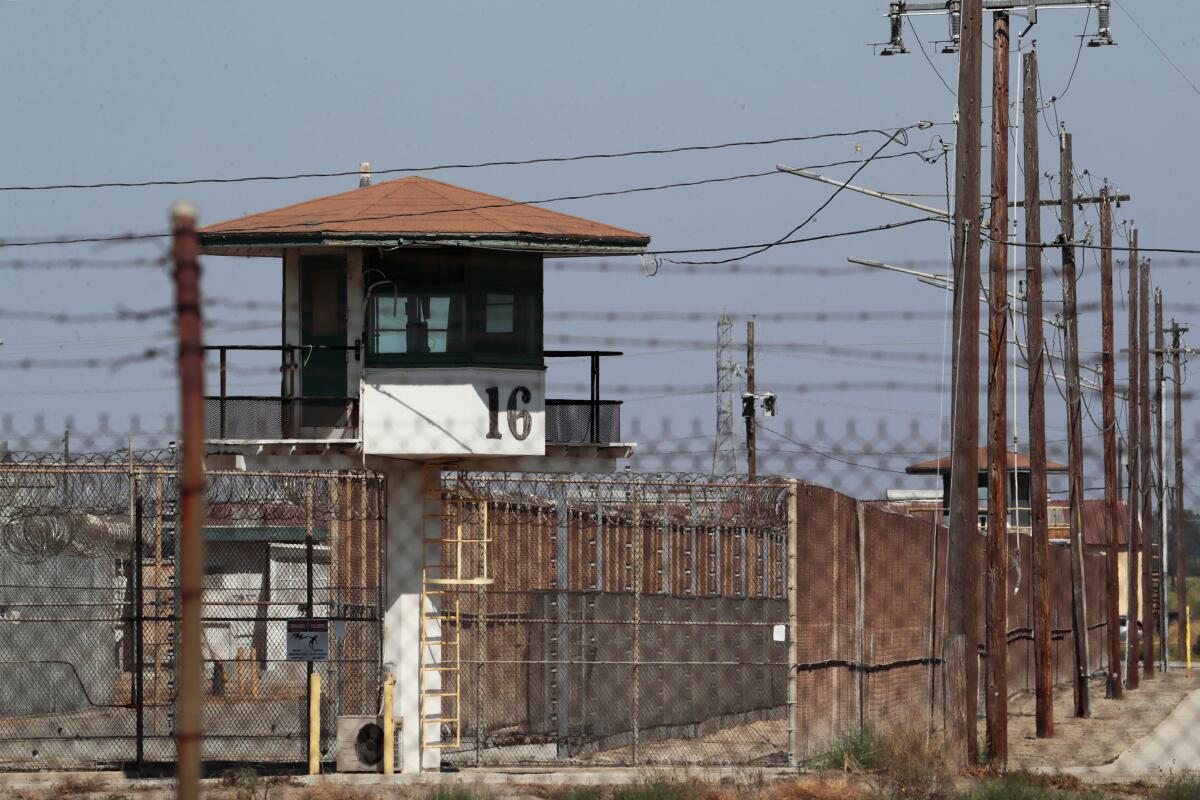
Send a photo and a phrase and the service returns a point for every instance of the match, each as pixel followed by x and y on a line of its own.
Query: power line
pixel 440 167
pixel 88 239
pixel 1082 37
pixel 1161 52
pixel 830 456
pixel 569 197
pixel 928 60
pixel 758 248
pixel 901 135
pixel 674 315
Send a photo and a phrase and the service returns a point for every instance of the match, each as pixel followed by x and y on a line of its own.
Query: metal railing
pixel 591 421
pixel 288 415
pixel 291 415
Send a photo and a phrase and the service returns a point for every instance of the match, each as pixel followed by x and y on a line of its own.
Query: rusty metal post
pixel 1079 627
pixel 636 695
pixel 996 600
pixel 308 614
pixel 139 631
pixel 1040 530
pixel 190 332
pixel 963 609
pixel 1147 485
pixel 752 416
pixel 793 601
pixel 1112 523
pixel 1160 484
pixel 1181 592
pixel 1133 550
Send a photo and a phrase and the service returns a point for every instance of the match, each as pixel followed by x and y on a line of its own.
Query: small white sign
pixel 779 633
pixel 307 640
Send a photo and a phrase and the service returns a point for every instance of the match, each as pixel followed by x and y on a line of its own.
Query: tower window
pixel 452 307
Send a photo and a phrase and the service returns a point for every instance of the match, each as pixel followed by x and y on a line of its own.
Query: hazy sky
pixel 129 91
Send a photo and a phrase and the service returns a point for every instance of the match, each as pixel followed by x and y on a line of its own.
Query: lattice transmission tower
pixel 724 447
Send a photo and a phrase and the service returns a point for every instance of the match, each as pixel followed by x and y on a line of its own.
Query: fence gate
pixel 89 609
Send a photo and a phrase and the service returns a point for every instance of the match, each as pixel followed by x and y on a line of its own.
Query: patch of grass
pixel 456 792
pixel 1180 787
pixel 858 750
pixel 814 788
pixel 77 785
pixel 1026 786
pixel 656 790
pixel 581 793
pixel 917 764
pixel 334 791
pixel 247 785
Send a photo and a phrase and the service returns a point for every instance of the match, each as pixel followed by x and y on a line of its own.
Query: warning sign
pixel 307 640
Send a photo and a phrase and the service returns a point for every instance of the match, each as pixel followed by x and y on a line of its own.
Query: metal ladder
pixel 451 561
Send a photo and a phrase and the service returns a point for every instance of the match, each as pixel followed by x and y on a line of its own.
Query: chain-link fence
pixel 631 619
pixel 89 608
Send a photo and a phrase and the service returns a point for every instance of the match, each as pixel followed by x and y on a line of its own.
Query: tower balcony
pixel 410 412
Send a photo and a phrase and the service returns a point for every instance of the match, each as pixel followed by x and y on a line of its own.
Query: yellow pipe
pixel 1187 639
pixel 314 725
pixel 389 727
pixel 241 673
pixel 254 672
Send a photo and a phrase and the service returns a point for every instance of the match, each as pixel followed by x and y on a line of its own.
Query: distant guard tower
pixel 1018 474
pixel 411 340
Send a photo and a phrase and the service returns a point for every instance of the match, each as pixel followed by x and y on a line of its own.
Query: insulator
pixel 1104 15
pixel 897 30
pixel 956 21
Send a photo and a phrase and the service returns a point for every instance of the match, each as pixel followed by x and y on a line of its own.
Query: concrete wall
pixel 52 660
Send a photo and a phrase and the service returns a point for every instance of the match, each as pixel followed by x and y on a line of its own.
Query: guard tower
pixel 1019 508
pixel 412 327
pixel 411 340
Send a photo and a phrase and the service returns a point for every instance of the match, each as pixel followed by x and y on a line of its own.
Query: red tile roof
pixel 422 210
pixel 1015 461
pixel 1094 534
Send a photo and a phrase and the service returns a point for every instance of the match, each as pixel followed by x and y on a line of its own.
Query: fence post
pixel 314 722
pixel 860 608
pixel 562 611
pixel 389 725
pixel 313 748
pixel 793 529
pixel 637 616
pixel 139 698
pixel 480 632
pixel 224 358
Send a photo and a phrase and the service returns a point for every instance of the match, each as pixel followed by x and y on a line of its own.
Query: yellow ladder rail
pixel 447 569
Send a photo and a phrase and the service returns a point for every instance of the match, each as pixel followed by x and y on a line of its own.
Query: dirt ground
pixel 1112 728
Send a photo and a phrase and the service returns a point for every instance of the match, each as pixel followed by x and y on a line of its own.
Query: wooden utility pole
pixel 1160 485
pixel 1181 597
pixel 1132 639
pixel 751 413
pixel 963 569
pixel 1079 629
pixel 1112 523
pixel 190 331
pixel 997 531
pixel 1043 663
pixel 1146 477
